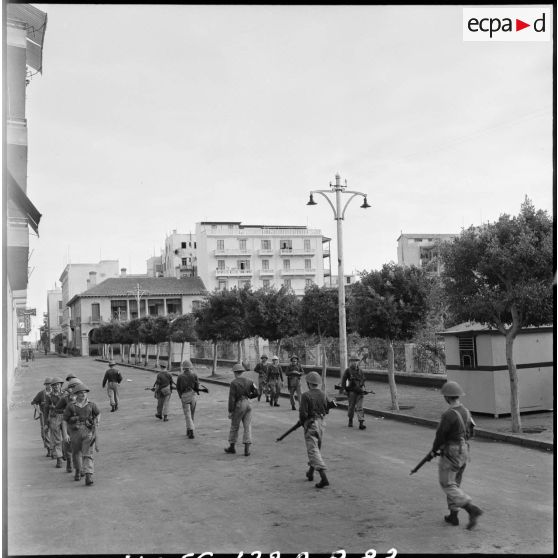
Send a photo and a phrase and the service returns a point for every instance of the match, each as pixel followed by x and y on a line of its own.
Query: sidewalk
pixel 421 405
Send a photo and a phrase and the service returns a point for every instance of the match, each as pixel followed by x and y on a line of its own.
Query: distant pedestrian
pixel 79 427
pixel 275 381
pixel 54 420
pixel 314 405
pixel 294 374
pixel 163 389
pixel 188 389
pixel 112 380
pixel 364 354
pixel 39 402
pixel 240 392
pixel 353 383
pixel 261 370
pixel 454 430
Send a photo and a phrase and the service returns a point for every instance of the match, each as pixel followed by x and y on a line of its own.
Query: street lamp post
pixel 138 293
pixel 339 216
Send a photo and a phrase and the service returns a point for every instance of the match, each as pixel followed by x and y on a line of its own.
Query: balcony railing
pixel 297 251
pixel 265 252
pixel 267 272
pixel 311 271
pixel 95 319
pixel 232 252
pixel 233 272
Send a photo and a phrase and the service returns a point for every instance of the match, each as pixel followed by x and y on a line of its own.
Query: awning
pixel 19 197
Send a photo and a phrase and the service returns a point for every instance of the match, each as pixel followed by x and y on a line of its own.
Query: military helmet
pixel 70 376
pixel 452 389
pixel 294 357
pixel 274 357
pixel 187 364
pixel 353 356
pixel 80 387
pixel 56 380
pixel 238 368
pixel 47 381
pixel 112 363
pixel 72 383
pixel 313 378
pixel 263 356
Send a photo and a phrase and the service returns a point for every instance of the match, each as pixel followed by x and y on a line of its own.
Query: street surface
pixel 156 491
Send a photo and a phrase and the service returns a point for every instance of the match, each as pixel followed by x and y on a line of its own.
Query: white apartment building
pixel 179 258
pixel 155 266
pixel 55 315
pixel 77 278
pixel 422 250
pixel 230 254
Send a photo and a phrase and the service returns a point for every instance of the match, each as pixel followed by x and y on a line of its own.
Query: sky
pixel 151 118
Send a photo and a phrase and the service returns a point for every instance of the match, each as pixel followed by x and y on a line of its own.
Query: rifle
pixel 364 391
pixel 203 388
pixel 95 439
pixel 291 429
pixel 429 456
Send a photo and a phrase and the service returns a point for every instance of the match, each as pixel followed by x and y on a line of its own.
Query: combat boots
pixel 190 433
pixel 246 450
pixel 68 464
pixel 474 513
pixel 48 452
pixel 230 449
pixel 310 474
pixel 59 463
pixel 452 518
pixel 165 418
pixel 112 409
pixel 323 482
pixel 350 423
pixel 361 425
pixel 88 479
pixel 77 475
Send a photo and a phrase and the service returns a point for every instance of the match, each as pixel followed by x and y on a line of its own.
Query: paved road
pixel 156 491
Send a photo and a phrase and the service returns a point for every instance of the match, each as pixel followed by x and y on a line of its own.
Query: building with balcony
pixel 179 256
pixel 422 250
pixel 230 254
pixel 77 278
pixel 129 297
pixel 24 35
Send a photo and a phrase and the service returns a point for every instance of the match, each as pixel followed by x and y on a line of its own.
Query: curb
pixel 479 432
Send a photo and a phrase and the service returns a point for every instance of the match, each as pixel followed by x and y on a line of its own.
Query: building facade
pixel 25 30
pixel 124 298
pixel 422 250
pixel 230 254
pixel 54 316
pixel 75 279
pixel 180 255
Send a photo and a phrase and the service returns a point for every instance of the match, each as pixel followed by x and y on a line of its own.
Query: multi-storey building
pixel 155 266
pixel 422 250
pixel 54 316
pixel 128 297
pixel 180 255
pixel 230 254
pixel 77 278
pixel 25 30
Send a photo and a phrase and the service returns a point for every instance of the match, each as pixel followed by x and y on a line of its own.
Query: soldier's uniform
pixel 454 430
pixel 39 402
pixel 275 381
pixel 112 379
pixel 54 420
pixel 163 390
pixel 353 383
pixel 188 388
pixel 314 405
pixel 261 370
pixel 67 397
pixel 80 421
pixel 294 374
pixel 240 410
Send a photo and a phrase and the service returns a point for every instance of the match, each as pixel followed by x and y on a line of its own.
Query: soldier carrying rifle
pixel 39 403
pixel 353 383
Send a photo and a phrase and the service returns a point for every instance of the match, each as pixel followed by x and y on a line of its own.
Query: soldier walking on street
pixel 261 370
pixel 240 410
pixel 163 389
pixel 454 430
pixel 294 374
pixel 81 418
pixel 39 402
pixel 314 405
pixel 353 383
pixel 112 379
pixel 275 381
pixel 68 396
pixel 188 388
pixel 54 420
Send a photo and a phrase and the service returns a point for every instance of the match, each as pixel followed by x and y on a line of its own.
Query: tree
pixel 182 330
pixel 160 333
pixel 391 304
pixel 147 334
pixel 319 315
pixel 133 327
pixel 500 274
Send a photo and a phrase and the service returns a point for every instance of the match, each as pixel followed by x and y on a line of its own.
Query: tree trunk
pixel 514 385
pixel 324 366
pixel 239 350
pixel 121 352
pixel 214 367
pixel 146 355
pixel 182 356
pixel 391 377
pixel 279 341
pixel 157 356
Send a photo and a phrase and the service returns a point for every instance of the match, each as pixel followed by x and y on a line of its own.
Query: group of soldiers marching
pixel 69 420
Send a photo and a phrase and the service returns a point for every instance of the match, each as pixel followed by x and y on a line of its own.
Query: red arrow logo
pixel 519 25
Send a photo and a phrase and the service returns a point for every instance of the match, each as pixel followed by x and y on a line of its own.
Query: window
pixel 183 244
pixel 96 312
pixel 286 244
pixel 266 244
pixel 307 244
pixel 119 310
pixel 242 243
pixel 307 264
pixel 174 306
pixel 59 305
pixel 286 264
pixel 265 264
pixel 194 245
pixel 308 282
pixel 220 264
pixel 220 244
pixel 243 264
pixel 467 352
pixel 60 319
pixel 265 283
pixel 196 304
pixel 287 283
pixel 222 285
pixel 185 261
